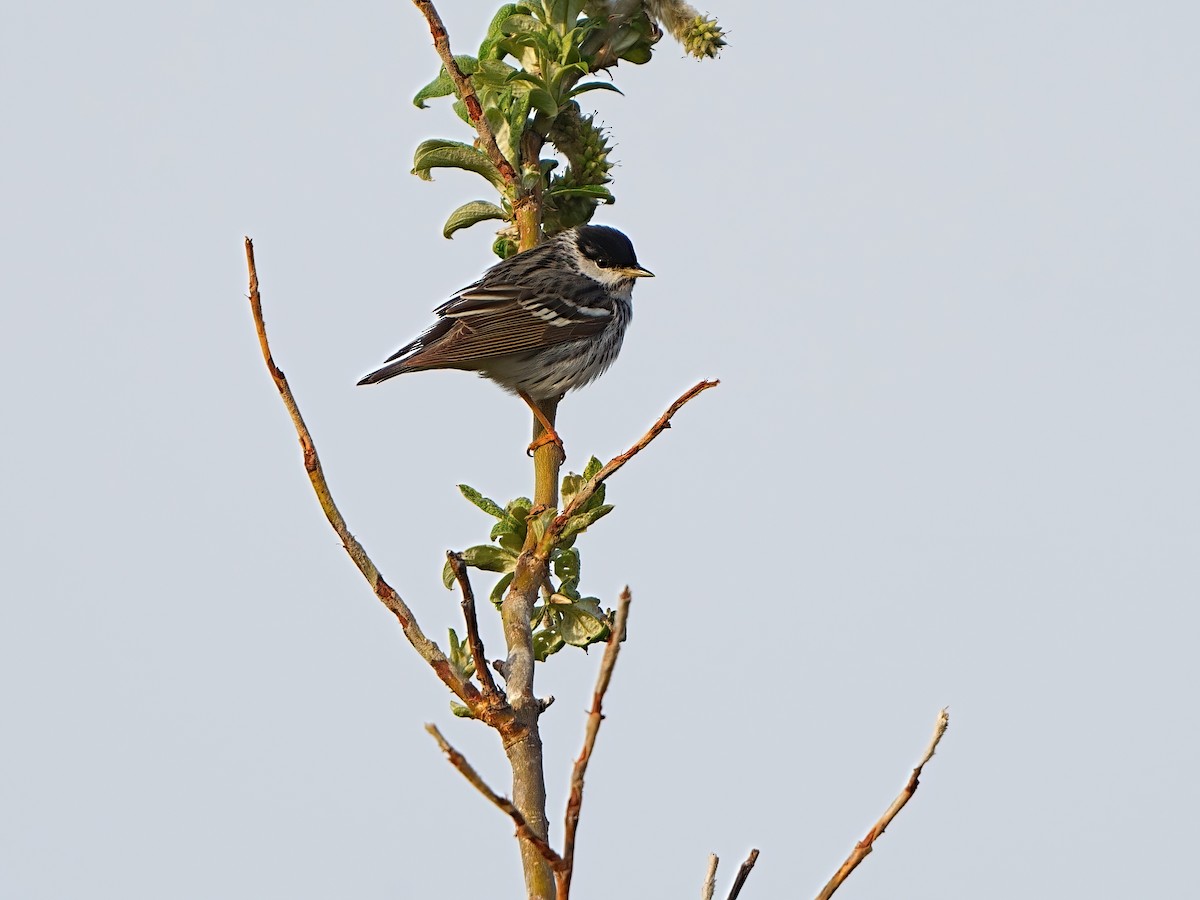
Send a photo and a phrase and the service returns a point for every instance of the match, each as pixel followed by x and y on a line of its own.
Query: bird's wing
pixel 496 318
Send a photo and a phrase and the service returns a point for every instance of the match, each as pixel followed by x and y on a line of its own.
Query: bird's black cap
pixel 606 247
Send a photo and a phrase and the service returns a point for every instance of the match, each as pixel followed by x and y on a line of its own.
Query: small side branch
pixel 482 671
pixel 575 802
pixel 428 650
pixel 864 847
pixel 742 875
pixel 504 805
pixel 610 468
pixel 466 92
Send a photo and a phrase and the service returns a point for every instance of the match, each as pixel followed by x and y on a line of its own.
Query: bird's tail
pixel 391 370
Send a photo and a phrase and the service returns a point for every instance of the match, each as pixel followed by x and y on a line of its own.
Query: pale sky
pixel 943 258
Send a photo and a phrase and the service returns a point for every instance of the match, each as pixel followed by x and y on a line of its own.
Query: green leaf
pixel 491 507
pixel 518 115
pixel 460 110
pixel 565 12
pixel 461 711
pixel 593 191
pixel 512 541
pixel 571 484
pixel 582 623
pixel 471 214
pixel 545 644
pixel 506 526
pixel 526 80
pixel 519 508
pixel 437 154
pixel 448 576
pixel 520 24
pixel 592 469
pixel 597 498
pixel 490 558
pixel 497 595
pixel 443 85
pixel 493 73
pixel 581 521
pixel 566 567
pixel 541 520
pixel 504 247
pixel 593 86
pixel 639 54
pixel 543 102
pixel 496 30
pixel 507 139
pixel 460 657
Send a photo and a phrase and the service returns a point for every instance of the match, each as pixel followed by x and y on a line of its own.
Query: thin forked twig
pixel 505 805
pixel 710 878
pixel 742 875
pixel 575 802
pixel 482 671
pixel 864 847
pixel 441 43
pixel 609 468
pixel 428 650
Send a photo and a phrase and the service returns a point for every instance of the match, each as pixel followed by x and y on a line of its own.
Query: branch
pixel 609 468
pixel 742 875
pixel 523 830
pixel 428 650
pixel 864 847
pixel 595 717
pixel 466 92
pixel 483 672
pixel 710 878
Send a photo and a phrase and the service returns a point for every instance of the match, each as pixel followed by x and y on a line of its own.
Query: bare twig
pixel 482 671
pixel 523 830
pixel 609 468
pixel 466 92
pixel 742 875
pixel 864 847
pixel 575 802
pixel 428 650
pixel 710 878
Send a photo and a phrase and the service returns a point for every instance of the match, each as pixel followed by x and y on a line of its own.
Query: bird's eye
pixel 603 262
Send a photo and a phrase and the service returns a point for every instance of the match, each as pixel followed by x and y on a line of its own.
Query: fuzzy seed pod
pixel 700 36
pixel 583 143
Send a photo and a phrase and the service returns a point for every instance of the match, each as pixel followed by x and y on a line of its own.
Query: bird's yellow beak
pixel 637 272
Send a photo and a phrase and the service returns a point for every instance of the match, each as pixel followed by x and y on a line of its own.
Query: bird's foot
pixel 548 437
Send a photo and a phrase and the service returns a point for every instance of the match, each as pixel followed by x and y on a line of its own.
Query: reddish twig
pixel 742 875
pixel 608 469
pixel 523 830
pixel 428 650
pixel 482 671
pixel 466 92
pixel 863 848
pixel 575 802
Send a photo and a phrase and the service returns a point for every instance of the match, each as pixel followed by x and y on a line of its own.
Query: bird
pixel 538 324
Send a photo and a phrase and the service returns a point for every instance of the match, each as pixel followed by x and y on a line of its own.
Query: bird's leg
pixel 548 435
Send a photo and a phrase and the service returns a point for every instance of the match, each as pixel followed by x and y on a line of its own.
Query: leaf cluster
pixel 563 614
pixel 527 75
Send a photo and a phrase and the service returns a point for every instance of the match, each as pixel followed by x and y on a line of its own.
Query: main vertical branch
pixel 523 743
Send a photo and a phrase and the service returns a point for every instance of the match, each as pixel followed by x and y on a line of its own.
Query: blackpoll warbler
pixel 539 324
